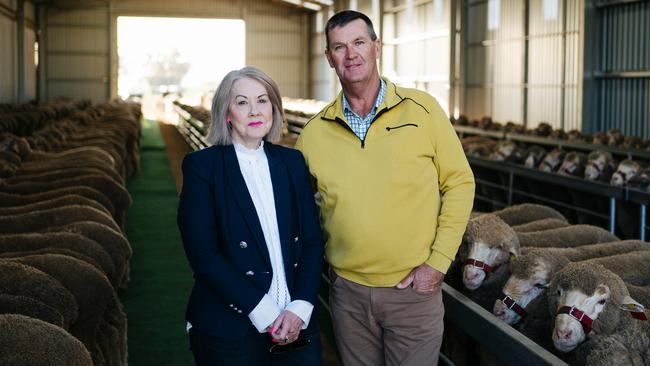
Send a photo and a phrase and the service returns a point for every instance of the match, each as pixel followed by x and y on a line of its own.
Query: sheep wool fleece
pixel 399 198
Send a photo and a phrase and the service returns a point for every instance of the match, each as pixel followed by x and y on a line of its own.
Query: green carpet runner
pixel 160 276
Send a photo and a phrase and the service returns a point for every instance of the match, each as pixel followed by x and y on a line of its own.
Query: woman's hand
pixel 286 327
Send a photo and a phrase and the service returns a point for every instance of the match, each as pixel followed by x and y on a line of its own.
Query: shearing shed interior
pixel 101 100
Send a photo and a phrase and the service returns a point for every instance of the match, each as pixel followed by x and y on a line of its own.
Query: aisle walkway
pixel 160 277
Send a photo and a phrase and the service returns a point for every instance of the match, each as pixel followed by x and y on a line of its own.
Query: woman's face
pixel 250 112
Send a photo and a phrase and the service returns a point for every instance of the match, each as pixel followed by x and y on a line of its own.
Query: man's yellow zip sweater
pixel 397 199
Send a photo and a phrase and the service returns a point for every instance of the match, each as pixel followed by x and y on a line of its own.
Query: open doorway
pixel 164 59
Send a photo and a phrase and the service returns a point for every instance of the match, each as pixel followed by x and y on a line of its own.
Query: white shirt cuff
pixel 302 309
pixel 264 313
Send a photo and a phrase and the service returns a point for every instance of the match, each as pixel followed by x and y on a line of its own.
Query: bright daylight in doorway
pixel 163 59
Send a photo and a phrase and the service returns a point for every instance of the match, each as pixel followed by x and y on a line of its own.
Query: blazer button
pixel 231 305
pixel 295 240
pixel 250 273
pixel 239 311
pixel 295 265
pixel 243 244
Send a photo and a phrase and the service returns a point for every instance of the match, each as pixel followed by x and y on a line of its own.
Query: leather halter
pixel 595 166
pixel 640 315
pixel 546 163
pixel 623 175
pixel 480 265
pixel 511 304
pixel 578 315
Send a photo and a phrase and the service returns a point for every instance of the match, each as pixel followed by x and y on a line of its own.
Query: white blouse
pixel 254 167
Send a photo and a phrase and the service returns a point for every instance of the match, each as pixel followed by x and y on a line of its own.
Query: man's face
pixel 352 53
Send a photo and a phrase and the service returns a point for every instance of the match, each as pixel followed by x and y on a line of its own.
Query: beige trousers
pixel 378 326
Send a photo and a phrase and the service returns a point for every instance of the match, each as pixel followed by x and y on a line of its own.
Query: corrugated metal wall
pixel 523 64
pixel 323 82
pixel 8 40
pixel 494 63
pixel 622 68
pixel 553 63
pixel 81 51
pixel 9 84
pixel 29 59
pixel 77 53
pixel 416 46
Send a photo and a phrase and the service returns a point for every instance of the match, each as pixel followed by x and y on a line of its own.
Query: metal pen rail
pixel 556 143
pixel 510 346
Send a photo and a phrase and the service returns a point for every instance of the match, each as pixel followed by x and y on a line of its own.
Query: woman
pixel 251 234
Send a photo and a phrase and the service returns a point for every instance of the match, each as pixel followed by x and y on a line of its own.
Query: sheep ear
pixel 631 305
pixel 603 289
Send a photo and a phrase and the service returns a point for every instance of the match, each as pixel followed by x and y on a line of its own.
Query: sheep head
pixel 533 156
pixel 490 240
pixel 504 150
pixel 552 161
pixel 531 275
pixel 573 164
pixel 590 292
pixel 599 164
pixel 626 170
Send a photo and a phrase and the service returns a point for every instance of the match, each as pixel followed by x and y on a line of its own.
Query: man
pixel 396 194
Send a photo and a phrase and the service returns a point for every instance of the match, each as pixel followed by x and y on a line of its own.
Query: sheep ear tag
pixel 512 258
pixel 634 308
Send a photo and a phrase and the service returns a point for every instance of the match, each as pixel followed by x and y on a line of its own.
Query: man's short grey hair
pixel 344 17
pixel 219 131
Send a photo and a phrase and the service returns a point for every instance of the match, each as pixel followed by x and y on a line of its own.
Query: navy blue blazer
pixel 225 245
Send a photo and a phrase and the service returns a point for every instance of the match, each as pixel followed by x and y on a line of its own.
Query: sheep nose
pixel 471 275
pixel 563 333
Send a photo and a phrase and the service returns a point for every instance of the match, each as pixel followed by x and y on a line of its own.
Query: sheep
pixel 21 169
pixel 573 164
pixel 61 251
pixel 614 137
pixel 12 304
pixel 533 156
pixel 543 224
pixel 491 243
pixel 60 240
pixel 576 136
pixel 33 221
pixel 9 199
pixel 544 129
pixel 112 241
pixel 552 160
pixel 558 134
pixel 590 292
pixel 27 341
pixel 70 199
pixel 22 280
pixel 112 189
pixel 91 289
pixel 600 138
pixel 506 151
pixel 632 142
pixel 527 212
pixel 50 174
pixel 574 235
pixel 625 172
pixel 534 269
pixel 600 166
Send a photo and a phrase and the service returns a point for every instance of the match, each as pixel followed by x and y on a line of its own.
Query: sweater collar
pixel 335 109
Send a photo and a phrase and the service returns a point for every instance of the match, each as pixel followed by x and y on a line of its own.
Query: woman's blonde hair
pixel 219 132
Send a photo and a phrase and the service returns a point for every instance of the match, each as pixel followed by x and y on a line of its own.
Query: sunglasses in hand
pixel 298 344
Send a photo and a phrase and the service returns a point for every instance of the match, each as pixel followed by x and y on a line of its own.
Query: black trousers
pixel 253 350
